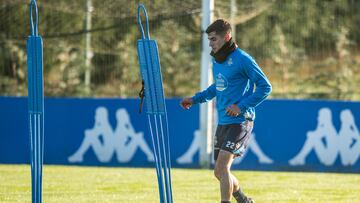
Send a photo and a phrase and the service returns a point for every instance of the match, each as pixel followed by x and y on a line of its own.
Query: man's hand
pixel 233 110
pixel 186 103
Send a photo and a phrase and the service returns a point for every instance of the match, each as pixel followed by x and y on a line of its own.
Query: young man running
pixel 236 75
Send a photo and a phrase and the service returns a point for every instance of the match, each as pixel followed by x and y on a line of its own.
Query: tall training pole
pixel 35 104
pixel 149 62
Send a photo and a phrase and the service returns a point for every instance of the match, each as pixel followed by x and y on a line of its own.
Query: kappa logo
pixel 123 141
pixel 327 143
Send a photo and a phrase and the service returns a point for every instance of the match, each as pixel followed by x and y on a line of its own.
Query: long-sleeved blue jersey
pixel 234 84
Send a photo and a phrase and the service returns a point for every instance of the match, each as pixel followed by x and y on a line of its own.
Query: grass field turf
pixel 105 184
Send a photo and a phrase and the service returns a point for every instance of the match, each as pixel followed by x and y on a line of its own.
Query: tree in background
pixel 309 48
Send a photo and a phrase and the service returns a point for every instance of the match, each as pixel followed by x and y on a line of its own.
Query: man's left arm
pixel 263 86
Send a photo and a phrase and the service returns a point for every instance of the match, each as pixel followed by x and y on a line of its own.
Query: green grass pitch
pixel 107 184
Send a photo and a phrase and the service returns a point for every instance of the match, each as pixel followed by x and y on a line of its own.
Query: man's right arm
pixel 199 97
pixel 205 95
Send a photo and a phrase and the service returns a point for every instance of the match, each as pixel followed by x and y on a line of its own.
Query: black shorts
pixel 233 138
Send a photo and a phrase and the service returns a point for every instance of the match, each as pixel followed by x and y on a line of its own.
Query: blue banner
pixel 291 135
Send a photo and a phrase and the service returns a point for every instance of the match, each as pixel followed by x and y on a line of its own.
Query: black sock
pixel 239 196
pixel 225 202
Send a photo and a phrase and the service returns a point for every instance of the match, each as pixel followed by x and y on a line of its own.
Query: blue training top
pixel 234 84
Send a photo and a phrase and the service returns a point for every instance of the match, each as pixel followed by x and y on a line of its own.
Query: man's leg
pixel 222 173
pixel 231 140
pixel 229 184
pixel 236 185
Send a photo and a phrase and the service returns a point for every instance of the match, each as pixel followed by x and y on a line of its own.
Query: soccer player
pixel 240 85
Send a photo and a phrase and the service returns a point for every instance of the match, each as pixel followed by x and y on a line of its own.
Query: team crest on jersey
pixel 221 82
pixel 230 62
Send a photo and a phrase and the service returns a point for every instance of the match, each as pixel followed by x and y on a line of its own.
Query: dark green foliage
pixel 308 48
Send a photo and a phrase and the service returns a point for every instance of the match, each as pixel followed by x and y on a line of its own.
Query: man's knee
pixel 223 163
pixel 217 172
pixel 221 170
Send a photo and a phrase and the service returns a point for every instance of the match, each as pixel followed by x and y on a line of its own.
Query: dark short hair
pixel 220 27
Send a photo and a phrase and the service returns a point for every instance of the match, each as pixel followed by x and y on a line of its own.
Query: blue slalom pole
pixel 155 105
pixel 35 104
